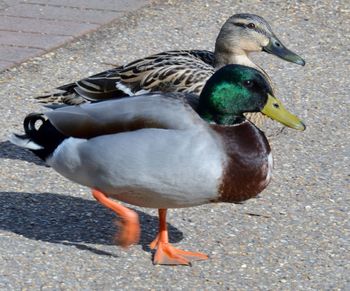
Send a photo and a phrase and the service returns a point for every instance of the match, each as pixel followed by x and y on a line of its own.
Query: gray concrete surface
pixel 296 236
pixel 32 28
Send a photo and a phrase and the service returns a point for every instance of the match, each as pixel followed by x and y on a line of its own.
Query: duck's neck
pixel 220 119
pixel 234 56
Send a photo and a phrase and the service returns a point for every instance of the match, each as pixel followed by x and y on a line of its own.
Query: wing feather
pixel 167 111
pixel 172 71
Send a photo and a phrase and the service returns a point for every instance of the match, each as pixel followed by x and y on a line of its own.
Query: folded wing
pixel 167 111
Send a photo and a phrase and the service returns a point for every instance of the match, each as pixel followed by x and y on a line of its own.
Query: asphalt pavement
pixel 295 236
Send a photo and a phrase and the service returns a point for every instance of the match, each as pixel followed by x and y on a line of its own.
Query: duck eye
pixel 251 25
pixel 248 83
pixel 276 105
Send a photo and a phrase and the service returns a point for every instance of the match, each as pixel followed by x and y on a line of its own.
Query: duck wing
pixel 167 111
pixel 172 71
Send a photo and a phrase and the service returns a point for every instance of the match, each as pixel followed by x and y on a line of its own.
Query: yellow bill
pixel 275 110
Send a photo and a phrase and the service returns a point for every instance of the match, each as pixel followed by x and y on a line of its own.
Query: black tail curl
pixel 29 123
pixel 44 135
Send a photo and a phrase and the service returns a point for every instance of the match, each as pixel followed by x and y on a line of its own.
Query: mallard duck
pixel 154 150
pixel 183 70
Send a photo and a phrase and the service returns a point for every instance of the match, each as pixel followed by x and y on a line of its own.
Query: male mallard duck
pixel 180 71
pixel 155 151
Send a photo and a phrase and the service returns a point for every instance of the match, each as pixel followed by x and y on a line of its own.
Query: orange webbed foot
pixel 129 231
pixel 166 254
pixel 129 226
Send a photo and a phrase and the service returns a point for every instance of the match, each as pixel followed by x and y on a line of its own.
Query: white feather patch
pixel 127 90
pixel 24 142
pixel 124 89
pixel 269 166
pixel 143 91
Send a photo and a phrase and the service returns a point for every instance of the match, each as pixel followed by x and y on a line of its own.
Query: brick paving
pixel 29 28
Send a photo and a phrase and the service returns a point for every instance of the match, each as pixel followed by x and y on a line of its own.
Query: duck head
pixel 246 33
pixel 236 89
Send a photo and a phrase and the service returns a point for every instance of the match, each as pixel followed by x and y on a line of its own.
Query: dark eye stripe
pixel 257 29
pixel 239 24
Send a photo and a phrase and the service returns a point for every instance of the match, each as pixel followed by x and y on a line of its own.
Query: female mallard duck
pixel 180 71
pixel 155 151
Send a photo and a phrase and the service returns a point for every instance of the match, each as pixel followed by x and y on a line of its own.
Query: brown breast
pixel 246 173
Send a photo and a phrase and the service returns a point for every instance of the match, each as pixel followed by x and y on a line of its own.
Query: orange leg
pixel 129 227
pixel 166 254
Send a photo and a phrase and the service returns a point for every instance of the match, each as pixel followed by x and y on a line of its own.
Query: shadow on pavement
pixel 13 152
pixel 69 220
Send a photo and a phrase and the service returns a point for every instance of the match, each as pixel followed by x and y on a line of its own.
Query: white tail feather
pixel 24 142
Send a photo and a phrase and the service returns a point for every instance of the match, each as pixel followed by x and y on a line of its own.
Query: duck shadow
pixel 70 221
pixel 13 152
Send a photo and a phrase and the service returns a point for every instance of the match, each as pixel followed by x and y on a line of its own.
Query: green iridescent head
pixel 236 89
